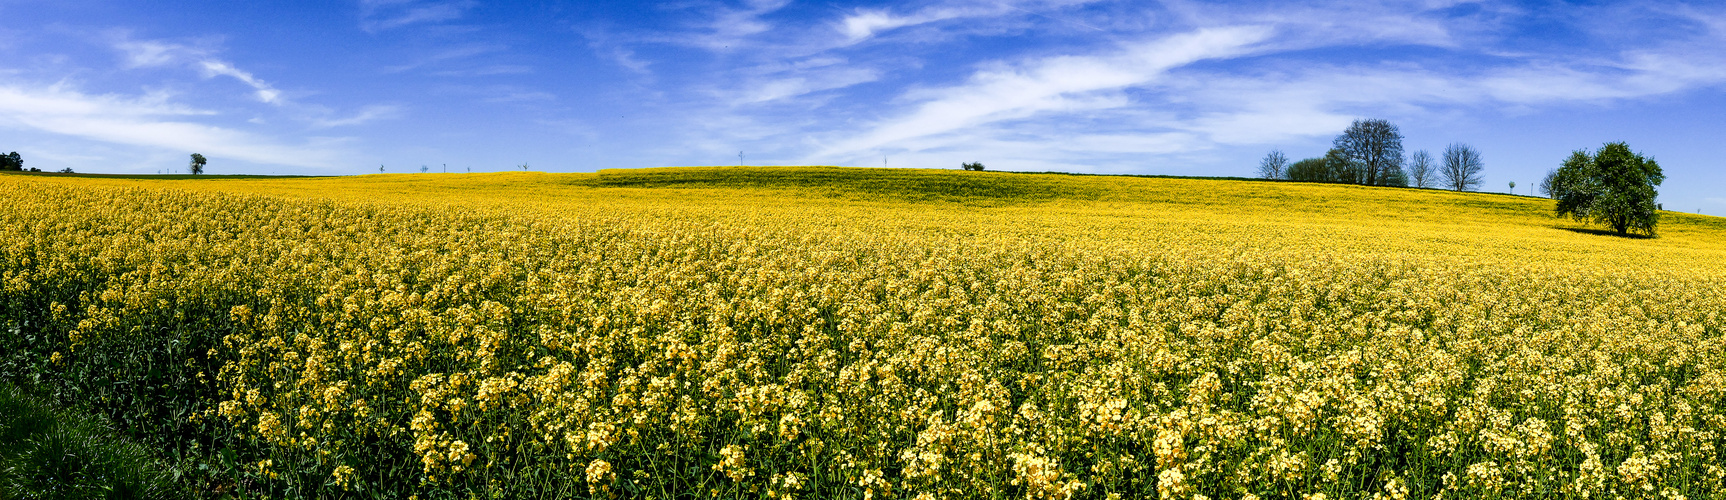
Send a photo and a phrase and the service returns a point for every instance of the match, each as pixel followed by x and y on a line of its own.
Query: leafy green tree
pixel 198 163
pixel 1308 170
pixel 1395 177
pixel 1614 186
pixel 1335 166
pixel 972 166
pixel 12 162
pixel 1341 166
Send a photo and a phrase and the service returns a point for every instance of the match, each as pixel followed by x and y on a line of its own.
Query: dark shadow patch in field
pixel 855 183
pixel 1603 232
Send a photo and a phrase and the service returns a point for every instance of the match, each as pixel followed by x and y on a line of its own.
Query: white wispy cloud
pixel 510 94
pixel 613 47
pixel 1329 23
pixel 1260 107
pixel 489 70
pixel 1166 95
pixel 156 53
pixel 725 28
pixel 365 115
pixel 1051 85
pixel 202 59
pixel 863 23
pixel 147 53
pixel 264 91
pixel 801 81
pixel 151 121
pixel 382 15
pixel 1112 86
pixel 447 54
pixel 712 25
pixel 627 59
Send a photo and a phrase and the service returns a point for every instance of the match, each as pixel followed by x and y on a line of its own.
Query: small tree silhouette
pixel 197 164
pixel 1461 167
pixel 978 166
pixel 1274 165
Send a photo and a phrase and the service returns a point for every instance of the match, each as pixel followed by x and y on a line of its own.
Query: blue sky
pixel 1176 87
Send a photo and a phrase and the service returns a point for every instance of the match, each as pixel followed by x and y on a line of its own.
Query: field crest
pixel 820 332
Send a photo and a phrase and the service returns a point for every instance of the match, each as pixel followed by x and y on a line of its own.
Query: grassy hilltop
pixel 1310 219
pixel 825 332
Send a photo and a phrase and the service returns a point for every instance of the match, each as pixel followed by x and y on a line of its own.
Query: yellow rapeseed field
pixel 829 332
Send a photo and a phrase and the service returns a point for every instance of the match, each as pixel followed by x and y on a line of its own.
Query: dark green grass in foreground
pixel 47 453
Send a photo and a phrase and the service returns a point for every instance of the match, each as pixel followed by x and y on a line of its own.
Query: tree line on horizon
pixel 1370 153
pixel 1612 186
pixel 13 162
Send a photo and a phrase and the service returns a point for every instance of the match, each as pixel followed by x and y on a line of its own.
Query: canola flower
pixel 820 333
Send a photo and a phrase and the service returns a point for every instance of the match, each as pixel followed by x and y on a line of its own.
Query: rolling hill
pixel 827 332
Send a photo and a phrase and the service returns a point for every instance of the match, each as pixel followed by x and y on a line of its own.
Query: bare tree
pixel 1376 146
pixel 1421 172
pixel 1549 184
pixel 1461 168
pixel 1273 165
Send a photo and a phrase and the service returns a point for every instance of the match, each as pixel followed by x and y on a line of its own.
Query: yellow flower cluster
pixel 751 332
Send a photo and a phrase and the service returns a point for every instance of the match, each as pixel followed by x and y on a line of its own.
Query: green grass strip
pixel 51 453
